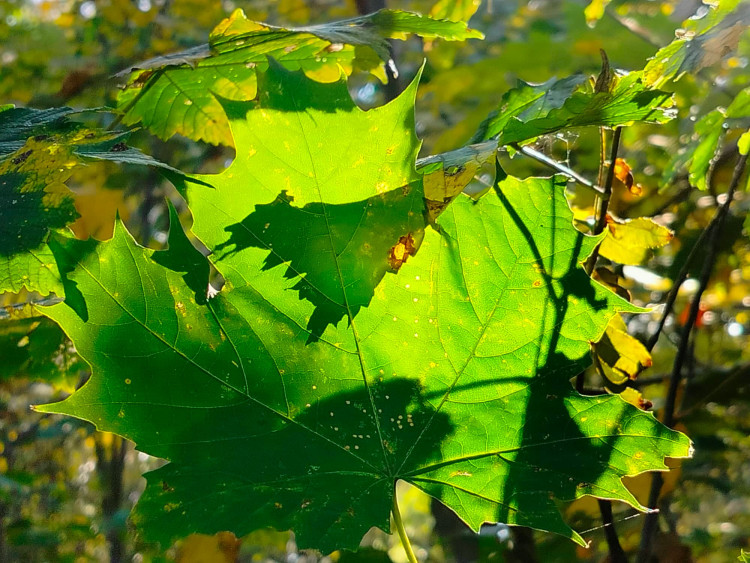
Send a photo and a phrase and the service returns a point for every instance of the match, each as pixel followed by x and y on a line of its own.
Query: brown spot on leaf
pixel 399 253
pixel 21 158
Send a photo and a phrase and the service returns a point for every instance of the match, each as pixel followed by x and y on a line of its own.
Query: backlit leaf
pixel 620 356
pixel 180 93
pixel 528 112
pixel 329 375
pixel 447 175
pixel 631 241
pixel 39 151
pixel 705 42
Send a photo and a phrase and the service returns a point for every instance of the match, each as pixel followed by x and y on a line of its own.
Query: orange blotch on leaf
pixel 399 253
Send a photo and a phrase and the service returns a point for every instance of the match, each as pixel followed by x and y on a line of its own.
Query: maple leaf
pixel 180 93
pixel 320 375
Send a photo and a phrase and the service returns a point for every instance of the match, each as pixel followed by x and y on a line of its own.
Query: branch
pixel 649 526
pixel 679 280
pixel 559 167
pixel 616 553
pixel 601 212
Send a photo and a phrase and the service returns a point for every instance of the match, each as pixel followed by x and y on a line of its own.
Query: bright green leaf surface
pixel 530 111
pixel 321 374
pixel 178 93
pixel 526 102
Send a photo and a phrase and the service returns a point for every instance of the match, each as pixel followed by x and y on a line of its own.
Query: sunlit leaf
pixel 528 112
pixel 39 151
pixel 632 241
pixel 181 93
pixel 595 11
pixel 454 10
pixel 448 174
pixel 620 356
pixel 705 42
pixel 327 375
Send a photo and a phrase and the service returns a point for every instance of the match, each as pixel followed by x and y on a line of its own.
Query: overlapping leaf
pixel 322 373
pixel 704 42
pixel 180 93
pixel 698 155
pixel 530 111
pixel 39 150
pixel 631 241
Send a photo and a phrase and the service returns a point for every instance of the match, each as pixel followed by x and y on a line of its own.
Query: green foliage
pixel 704 42
pixel 182 93
pixel 531 111
pixel 441 332
pixel 346 367
pixel 39 152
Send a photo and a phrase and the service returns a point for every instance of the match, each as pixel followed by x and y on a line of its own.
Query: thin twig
pixel 678 281
pixel 668 417
pixel 559 167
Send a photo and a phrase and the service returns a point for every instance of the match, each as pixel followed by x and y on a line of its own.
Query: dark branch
pixel 650 524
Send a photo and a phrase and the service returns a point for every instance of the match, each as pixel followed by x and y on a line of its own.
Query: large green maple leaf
pixel 329 367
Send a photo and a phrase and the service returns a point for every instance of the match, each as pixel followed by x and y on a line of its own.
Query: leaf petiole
pixel 402 531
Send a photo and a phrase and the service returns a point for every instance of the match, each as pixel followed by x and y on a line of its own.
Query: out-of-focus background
pixel 66 489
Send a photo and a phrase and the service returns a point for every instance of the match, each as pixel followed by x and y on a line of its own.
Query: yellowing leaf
pixel 743 145
pixel 635 398
pixel 446 175
pixel 631 241
pixel 454 10
pixel 620 356
pixel 223 547
pixel 97 210
pixel 595 10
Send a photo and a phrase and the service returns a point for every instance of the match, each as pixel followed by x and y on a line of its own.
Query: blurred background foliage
pixel 66 490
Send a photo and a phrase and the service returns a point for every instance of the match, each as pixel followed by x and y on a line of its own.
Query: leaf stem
pixel 668 417
pixel 402 531
pixel 603 203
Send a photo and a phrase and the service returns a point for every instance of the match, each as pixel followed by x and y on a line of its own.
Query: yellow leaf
pixel 594 11
pixel 631 241
pixel 223 547
pixel 743 145
pixel 620 356
pixel 97 212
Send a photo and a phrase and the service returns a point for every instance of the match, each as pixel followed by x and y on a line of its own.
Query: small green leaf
pixel 528 112
pixel 705 42
pixel 527 102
